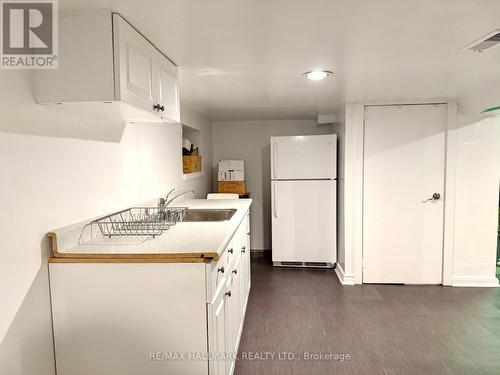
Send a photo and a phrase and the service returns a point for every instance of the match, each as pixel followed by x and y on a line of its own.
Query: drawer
pixel 241 235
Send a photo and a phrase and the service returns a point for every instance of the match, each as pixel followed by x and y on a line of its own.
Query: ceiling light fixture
pixel 317 75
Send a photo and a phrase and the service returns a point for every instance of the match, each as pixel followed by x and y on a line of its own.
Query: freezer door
pixel 304 157
pixel 304 227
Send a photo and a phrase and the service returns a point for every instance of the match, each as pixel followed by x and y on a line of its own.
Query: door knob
pixel 228 293
pixel 435 197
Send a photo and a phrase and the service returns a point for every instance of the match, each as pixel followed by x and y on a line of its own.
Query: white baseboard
pixel 343 278
pixel 474 282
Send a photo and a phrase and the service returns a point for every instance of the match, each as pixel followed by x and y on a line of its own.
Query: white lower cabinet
pixel 233 323
pixel 229 305
pixel 151 318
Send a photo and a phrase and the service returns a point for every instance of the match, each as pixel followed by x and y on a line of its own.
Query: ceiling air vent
pixel 486 42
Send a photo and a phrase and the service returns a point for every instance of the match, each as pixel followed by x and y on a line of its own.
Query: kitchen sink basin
pixel 194 214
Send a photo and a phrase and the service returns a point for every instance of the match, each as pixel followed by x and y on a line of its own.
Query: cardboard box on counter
pixel 234 187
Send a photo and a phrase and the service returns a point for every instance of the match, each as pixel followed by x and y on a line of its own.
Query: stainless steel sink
pixel 194 214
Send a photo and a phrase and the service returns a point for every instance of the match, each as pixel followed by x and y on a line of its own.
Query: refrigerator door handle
pixel 275 155
pixel 275 210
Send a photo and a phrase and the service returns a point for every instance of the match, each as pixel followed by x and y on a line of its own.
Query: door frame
pixel 352 271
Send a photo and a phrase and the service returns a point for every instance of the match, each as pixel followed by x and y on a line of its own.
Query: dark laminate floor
pixel 386 329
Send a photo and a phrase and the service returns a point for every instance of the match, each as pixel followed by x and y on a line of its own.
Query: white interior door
pixel 403 169
pixel 303 221
pixel 304 157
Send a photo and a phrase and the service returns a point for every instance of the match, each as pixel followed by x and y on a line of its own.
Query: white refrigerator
pixel 304 200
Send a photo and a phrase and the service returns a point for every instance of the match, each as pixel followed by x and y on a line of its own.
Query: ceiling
pixel 244 59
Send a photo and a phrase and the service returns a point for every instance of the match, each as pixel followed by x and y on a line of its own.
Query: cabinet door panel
pixel 237 304
pixel 234 318
pixel 217 312
pixel 168 92
pixel 243 281
pixel 134 66
pixel 139 68
pixel 248 266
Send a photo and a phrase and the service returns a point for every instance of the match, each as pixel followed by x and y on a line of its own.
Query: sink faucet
pixel 164 202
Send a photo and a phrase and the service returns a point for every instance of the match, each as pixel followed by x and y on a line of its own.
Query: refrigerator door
pixel 304 227
pixel 304 157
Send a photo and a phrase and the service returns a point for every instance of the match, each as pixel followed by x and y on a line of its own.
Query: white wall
pixel 57 169
pixel 250 141
pixel 476 201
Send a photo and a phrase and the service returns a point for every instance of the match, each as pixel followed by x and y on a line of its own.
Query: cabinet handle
pixel 158 107
pixel 228 293
pixel 235 271
pixel 221 270
pixel 230 251
pixel 243 249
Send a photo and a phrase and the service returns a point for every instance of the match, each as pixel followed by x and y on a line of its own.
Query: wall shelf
pixel 196 137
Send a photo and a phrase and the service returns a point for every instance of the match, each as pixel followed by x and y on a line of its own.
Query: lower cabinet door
pixel 234 316
pixel 237 304
pixel 244 277
pixel 217 316
pixel 248 265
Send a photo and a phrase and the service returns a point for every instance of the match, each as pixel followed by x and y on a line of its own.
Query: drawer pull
pixel 230 251
pixel 235 271
pixel 228 293
pixel 221 270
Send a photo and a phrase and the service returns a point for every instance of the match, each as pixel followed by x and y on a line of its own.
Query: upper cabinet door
pixel 167 88
pixel 134 66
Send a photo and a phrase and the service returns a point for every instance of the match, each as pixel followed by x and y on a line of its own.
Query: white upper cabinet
pixel 103 59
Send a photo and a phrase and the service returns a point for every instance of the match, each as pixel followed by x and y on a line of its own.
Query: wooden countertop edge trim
pixel 58 257
pixel 210 256
pixel 53 242
pixel 130 260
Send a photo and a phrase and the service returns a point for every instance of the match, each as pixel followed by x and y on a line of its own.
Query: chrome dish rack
pixel 136 221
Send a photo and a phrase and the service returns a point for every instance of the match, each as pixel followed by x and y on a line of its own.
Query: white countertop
pixel 185 239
